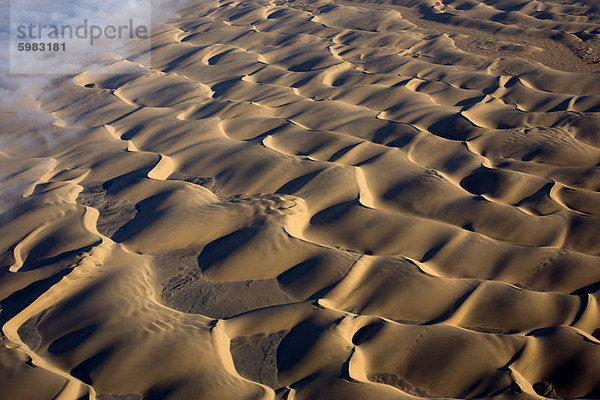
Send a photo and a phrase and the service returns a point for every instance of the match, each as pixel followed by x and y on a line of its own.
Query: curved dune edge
pixel 313 200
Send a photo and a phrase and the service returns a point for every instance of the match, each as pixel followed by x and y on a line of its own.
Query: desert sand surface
pixel 330 199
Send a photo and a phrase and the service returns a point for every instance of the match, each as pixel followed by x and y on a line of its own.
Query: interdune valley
pixel 305 200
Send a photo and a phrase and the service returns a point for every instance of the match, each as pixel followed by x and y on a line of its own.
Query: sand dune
pixel 347 199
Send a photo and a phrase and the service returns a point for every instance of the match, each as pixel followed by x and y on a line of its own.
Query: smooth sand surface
pixel 347 199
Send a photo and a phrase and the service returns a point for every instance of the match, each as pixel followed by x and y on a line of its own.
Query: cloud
pixel 17 89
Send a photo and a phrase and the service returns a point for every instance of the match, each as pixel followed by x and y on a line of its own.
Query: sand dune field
pixel 304 200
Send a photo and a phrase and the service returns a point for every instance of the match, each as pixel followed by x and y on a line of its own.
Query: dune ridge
pixel 313 200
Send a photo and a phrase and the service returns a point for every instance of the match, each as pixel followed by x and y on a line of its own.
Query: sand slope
pixel 313 200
